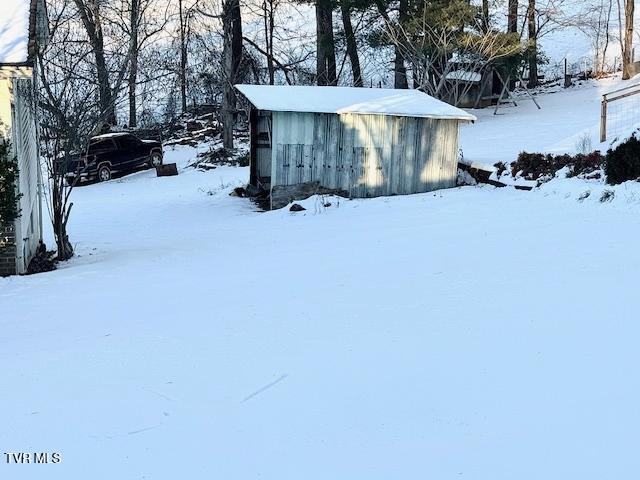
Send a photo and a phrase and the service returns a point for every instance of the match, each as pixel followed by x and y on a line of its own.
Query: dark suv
pixel 115 152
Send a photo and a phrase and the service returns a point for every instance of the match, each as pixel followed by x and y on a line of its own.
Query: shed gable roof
pixel 20 23
pixel 373 101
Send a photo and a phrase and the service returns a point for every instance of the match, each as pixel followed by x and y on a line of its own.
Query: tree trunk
pixel 90 15
pixel 60 217
pixel 606 37
pixel 485 16
pixel 107 104
pixel 133 80
pixel 236 38
pixel 352 47
pixel 268 12
pixel 326 50
pixel 133 69
pixel 627 50
pixel 231 58
pixel 512 17
pixel 183 57
pixel 400 70
pixel 63 245
pixel 533 40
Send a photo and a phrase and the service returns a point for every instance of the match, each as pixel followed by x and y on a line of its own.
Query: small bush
pixel 584 195
pixel 531 165
pixel 534 166
pixel 623 162
pixel 43 261
pixel 583 144
pixel 500 168
pixel 585 163
pixel 607 196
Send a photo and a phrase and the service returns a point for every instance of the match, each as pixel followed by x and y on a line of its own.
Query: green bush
pixel 9 196
pixel 623 162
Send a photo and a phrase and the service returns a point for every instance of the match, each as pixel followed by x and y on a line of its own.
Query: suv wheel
pixel 104 173
pixel 156 160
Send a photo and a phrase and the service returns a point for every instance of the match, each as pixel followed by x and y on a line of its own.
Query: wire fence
pixel 620 112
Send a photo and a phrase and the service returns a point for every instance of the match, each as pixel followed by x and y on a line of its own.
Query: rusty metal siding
pixel 366 155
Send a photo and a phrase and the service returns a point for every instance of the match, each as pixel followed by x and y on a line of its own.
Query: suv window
pixel 128 142
pixel 100 145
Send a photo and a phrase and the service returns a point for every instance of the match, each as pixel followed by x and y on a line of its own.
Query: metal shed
pixel 363 142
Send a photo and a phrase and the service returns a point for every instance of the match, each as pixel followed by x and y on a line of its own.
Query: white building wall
pixel 18 125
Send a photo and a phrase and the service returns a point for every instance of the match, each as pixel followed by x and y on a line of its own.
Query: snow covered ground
pixel 475 333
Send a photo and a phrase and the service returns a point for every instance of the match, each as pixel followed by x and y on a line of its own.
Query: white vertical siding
pixel 17 123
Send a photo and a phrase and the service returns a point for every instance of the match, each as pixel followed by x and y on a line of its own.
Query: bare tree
pixel 595 21
pixel 606 23
pixel 626 39
pixel 325 44
pixel 351 45
pixel 269 8
pixel 485 16
pixel 394 28
pixel 183 17
pixel 285 46
pixel 512 16
pixel 139 21
pixel 90 12
pixel 71 108
pixel 145 21
pixel 533 44
pixel 231 59
pixel 400 69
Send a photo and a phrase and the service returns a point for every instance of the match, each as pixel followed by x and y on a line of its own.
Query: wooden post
pixel 603 119
pixel 253 138
pixel 483 84
pixel 505 88
pixel 526 89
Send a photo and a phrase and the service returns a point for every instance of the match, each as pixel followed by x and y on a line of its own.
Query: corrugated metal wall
pixel 366 155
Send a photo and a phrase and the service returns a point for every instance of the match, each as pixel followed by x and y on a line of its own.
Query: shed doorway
pixel 261 147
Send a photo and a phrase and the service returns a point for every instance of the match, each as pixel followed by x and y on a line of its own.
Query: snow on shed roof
pixel 375 101
pixel 465 76
pixel 111 135
pixel 14 30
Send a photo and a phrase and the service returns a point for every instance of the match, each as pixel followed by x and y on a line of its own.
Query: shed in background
pixel 358 141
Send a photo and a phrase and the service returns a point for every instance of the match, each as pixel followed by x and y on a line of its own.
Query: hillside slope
pixel 473 333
